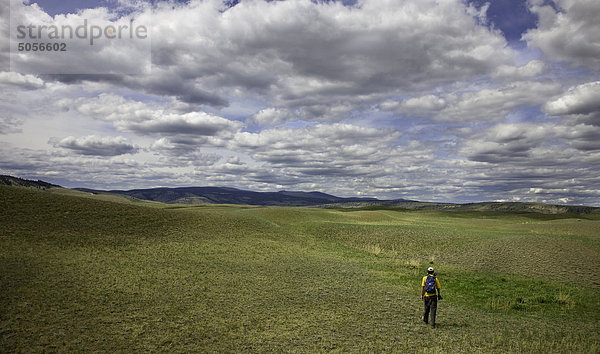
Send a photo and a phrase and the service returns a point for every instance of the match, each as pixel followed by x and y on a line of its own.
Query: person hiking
pixel 430 293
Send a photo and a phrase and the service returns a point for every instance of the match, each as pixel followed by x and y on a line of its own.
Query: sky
pixel 432 100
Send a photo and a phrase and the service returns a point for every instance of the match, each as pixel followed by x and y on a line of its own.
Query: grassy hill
pixel 85 274
pixel 510 207
pixel 222 195
pixel 6 180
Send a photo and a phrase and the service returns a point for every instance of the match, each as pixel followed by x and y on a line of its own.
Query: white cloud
pixel 481 104
pixel 29 82
pixel 324 59
pixel 155 119
pixel 96 41
pixel 96 145
pixel 533 144
pixel 109 107
pixel 581 101
pixel 508 142
pixel 173 152
pixel 272 116
pixel 527 71
pixel 570 33
pixel 193 124
pixel 335 149
pixel 423 103
pixel 82 170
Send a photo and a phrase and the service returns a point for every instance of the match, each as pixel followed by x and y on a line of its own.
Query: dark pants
pixel 430 309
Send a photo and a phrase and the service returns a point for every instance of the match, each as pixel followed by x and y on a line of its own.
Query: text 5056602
pixel 42 47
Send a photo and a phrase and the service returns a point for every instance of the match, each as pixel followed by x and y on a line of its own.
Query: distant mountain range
pixel 222 195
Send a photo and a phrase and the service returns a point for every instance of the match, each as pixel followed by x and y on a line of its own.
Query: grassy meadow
pixel 109 274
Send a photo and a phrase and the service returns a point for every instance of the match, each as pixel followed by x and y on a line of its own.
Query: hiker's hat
pixel 430 269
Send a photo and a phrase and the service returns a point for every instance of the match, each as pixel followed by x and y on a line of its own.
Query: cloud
pixel 508 143
pixel 480 104
pixel 155 119
pixel 28 82
pixel 10 124
pixel 323 59
pixel 409 44
pixel 272 116
pixel 193 124
pixel 4 35
pixel 583 137
pixel 568 33
pixel 171 82
pixel 96 41
pixel 580 101
pixel 109 172
pixel 96 146
pixel 527 71
pixel 180 134
pixel 533 144
pixel 423 103
pixel 174 152
pixel 109 107
pixel 416 99
pixel 323 149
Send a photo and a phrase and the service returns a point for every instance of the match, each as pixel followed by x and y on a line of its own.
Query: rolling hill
pixel 85 274
pixel 225 195
pixel 16 181
pixel 516 207
pixel 222 195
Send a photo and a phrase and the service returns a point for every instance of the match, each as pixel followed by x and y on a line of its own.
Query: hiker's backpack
pixel 430 284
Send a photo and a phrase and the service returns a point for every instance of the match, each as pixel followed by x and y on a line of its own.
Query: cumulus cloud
pixel 28 82
pixel 171 82
pixel 4 36
pixel 97 41
pixel 308 55
pixel 156 119
pixel 174 152
pixel 583 137
pixel 96 145
pixel 568 32
pixel 507 143
pixel 484 104
pixel 272 116
pixel 323 149
pixel 532 144
pixel 193 123
pixel 316 66
pixel 108 106
pixel 580 101
pixel 527 71
pixel 423 103
pixel 85 170
pixel 415 99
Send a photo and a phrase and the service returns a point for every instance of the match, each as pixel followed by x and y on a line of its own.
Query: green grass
pixel 83 274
